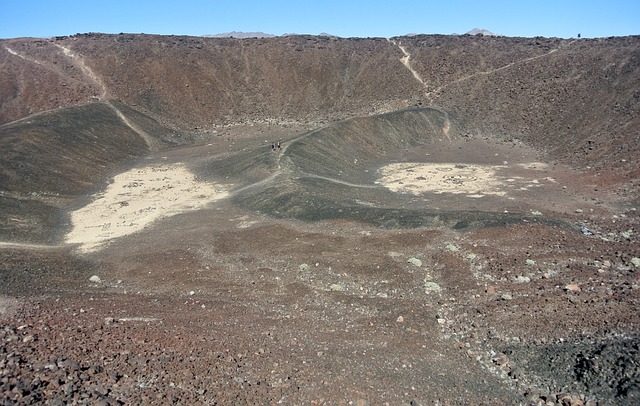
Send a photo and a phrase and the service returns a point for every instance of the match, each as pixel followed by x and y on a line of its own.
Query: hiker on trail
pixel 279 147
pixel 273 146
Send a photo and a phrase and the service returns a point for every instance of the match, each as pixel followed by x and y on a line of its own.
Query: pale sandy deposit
pixel 137 198
pixel 471 180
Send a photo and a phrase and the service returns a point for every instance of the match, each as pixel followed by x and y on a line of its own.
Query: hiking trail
pixel 88 72
pixel 151 142
pixel 405 61
pixel 19 55
pixel 491 71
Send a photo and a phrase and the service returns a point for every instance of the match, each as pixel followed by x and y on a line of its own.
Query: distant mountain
pixel 475 31
pixel 322 34
pixel 240 34
pixel 482 31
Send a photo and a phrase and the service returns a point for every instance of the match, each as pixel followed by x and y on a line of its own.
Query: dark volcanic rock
pixel 308 279
pixel 576 98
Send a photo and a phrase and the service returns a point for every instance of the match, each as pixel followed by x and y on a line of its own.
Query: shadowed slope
pixel 52 157
pixel 346 150
pixel 331 174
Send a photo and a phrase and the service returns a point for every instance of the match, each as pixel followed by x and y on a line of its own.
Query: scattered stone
pixel 452 247
pixel 572 287
pixel 578 211
pixel 337 287
pixel 191 293
pixel 400 319
pixel 635 261
pixel 95 279
pixel 414 261
pixel 568 400
pixel 530 262
pixel 506 296
pixel 501 359
pixel 304 267
pixel 627 234
pixel 536 213
pixel 431 287
pixel 521 279
pixel 515 373
pixel 28 338
pixel 471 256
pixel 491 290
pixel 585 231
pixel 70 364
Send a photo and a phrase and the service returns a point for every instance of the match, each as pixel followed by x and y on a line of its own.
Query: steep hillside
pixel 576 99
pixel 203 81
pixel 579 100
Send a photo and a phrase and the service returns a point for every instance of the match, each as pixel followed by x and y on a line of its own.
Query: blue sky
pixel 359 18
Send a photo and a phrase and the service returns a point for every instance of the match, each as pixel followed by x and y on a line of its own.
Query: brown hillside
pixel 424 220
pixel 578 99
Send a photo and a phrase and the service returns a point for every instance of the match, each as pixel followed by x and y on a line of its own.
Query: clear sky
pixel 344 18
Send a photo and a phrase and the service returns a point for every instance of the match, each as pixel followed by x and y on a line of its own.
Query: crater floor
pixel 270 277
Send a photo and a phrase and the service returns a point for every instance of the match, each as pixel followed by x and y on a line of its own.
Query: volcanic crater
pixel 319 220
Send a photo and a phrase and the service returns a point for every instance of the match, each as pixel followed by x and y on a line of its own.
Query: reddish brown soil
pixel 200 309
pixel 234 306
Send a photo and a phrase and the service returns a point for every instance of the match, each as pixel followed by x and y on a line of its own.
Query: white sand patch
pixel 538 166
pixel 475 181
pixel 137 198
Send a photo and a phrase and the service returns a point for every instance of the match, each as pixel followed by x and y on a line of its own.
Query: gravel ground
pixel 313 284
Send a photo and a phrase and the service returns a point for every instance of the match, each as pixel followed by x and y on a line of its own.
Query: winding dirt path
pixel 492 71
pixel 19 55
pixel 429 94
pixel 151 142
pixel 88 72
pixel 77 61
pixel 446 128
pixel 405 61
